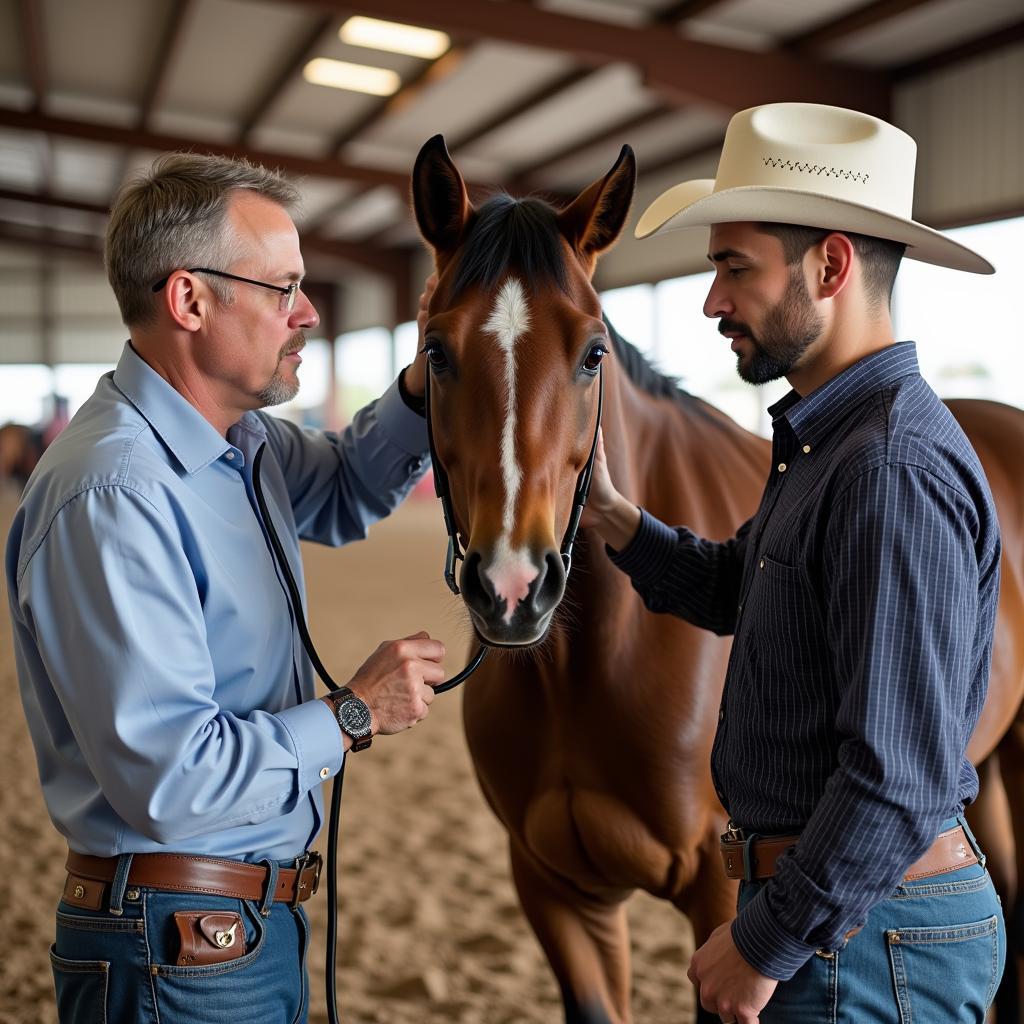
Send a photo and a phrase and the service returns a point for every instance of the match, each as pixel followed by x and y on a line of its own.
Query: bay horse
pixel 20 449
pixel 591 738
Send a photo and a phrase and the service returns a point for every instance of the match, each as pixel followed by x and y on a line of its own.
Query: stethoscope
pixel 441 488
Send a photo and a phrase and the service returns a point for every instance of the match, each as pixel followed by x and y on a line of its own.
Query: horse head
pixel 514 342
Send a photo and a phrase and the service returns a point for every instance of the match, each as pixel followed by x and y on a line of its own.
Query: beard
pixel 789 329
pixel 279 389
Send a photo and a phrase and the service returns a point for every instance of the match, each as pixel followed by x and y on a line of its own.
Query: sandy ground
pixel 430 929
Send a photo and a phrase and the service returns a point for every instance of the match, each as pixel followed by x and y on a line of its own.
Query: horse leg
pixel 585 939
pixel 708 901
pixel 1010 1003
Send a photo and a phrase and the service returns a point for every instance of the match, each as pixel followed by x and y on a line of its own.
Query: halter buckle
pixel 450 559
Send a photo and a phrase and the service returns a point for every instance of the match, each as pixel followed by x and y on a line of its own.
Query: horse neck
pixel 682 459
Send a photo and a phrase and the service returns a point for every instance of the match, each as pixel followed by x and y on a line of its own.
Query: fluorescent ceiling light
pixel 396 38
pixel 340 74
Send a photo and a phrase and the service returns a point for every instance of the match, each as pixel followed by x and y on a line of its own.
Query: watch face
pixel 354 717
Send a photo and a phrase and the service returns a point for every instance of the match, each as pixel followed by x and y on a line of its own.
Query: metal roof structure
pixel 530 95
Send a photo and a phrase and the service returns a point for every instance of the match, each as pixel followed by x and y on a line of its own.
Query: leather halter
pixel 443 490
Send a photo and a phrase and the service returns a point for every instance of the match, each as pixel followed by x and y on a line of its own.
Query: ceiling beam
pixel 615 135
pixel 163 60
pixel 817 39
pixel 712 147
pixel 510 111
pixel 549 92
pixel 678 12
pixel 382 261
pixel 156 83
pixel 58 241
pixel 394 264
pixel 40 199
pixel 386 261
pixel 324 167
pixel 33 46
pixel 679 68
pixel 34 50
pixel 1008 35
pixel 430 74
pixel 289 68
pixel 316 224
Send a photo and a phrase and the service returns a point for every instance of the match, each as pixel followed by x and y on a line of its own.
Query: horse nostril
pixel 548 587
pixel 477 591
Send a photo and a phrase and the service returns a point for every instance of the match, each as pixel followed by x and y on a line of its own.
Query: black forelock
pixel 512 234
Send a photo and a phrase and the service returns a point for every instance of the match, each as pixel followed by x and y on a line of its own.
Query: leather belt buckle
pixel 310 859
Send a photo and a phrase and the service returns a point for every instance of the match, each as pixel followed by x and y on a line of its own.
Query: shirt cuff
pixel 316 736
pixel 405 428
pixel 418 403
pixel 765 944
pixel 645 557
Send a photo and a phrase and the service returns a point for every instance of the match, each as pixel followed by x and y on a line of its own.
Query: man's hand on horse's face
pixel 726 984
pixel 607 511
pixel 415 375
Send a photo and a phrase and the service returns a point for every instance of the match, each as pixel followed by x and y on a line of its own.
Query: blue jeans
pixel 932 953
pixel 122 968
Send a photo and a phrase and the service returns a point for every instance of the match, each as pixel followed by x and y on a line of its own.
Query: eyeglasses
pixel 286 304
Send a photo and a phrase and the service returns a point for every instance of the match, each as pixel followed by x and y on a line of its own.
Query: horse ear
pixel 439 196
pixel 595 218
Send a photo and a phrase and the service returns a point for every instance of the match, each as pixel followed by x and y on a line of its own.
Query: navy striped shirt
pixel 862 596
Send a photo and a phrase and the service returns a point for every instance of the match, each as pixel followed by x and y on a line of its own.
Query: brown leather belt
pixel 951 850
pixel 89 877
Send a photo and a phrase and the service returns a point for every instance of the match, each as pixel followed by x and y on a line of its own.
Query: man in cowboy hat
pixel 862 595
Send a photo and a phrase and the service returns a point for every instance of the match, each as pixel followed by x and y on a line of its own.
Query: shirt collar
pixel 191 438
pixel 811 418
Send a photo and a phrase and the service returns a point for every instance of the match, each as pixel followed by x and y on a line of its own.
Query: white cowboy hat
pixel 819 166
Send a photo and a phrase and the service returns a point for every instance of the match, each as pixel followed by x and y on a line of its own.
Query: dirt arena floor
pixel 430 929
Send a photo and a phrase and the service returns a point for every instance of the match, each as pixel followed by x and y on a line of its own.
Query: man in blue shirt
pixel 861 596
pixel 180 744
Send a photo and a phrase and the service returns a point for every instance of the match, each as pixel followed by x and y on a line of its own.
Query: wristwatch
pixel 353 716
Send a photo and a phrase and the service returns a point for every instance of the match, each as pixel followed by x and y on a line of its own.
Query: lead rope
pixel 454 554
pixel 330 959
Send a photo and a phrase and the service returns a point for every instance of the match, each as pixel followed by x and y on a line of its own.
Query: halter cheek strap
pixel 443 491
pixel 586 477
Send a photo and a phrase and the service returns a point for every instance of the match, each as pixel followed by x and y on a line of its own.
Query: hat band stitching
pixel 799 165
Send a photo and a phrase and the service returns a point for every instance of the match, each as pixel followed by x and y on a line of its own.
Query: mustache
pixel 296 343
pixel 736 326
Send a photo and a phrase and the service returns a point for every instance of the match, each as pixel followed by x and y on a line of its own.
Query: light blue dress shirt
pixel 166 690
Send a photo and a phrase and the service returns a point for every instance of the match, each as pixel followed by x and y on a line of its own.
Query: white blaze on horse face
pixel 510 571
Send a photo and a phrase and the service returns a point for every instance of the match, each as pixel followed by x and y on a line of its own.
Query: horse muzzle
pixel 512 602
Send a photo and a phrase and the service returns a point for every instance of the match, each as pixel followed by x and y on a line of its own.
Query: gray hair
pixel 173 217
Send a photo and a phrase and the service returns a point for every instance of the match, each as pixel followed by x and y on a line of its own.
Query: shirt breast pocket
pixel 787 623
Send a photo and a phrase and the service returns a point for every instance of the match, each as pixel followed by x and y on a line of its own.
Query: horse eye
pixel 436 357
pixel 594 357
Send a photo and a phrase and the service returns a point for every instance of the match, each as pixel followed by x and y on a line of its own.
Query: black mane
pixel 512 233
pixel 650 380
pixel 522 234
